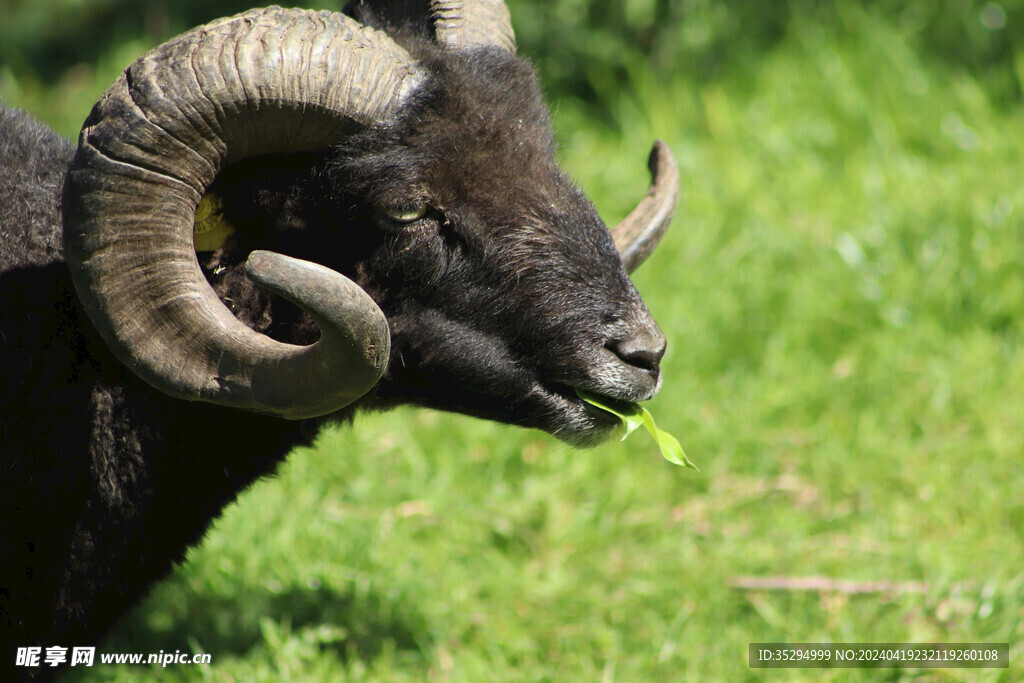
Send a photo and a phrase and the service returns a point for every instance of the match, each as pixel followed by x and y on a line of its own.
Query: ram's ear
pixel 212 230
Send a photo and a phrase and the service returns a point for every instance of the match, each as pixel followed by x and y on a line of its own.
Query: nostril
pixel 646 359
pixel 642 349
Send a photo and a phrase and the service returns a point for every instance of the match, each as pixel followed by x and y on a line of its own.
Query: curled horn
pixel 264 81
pixel 639 232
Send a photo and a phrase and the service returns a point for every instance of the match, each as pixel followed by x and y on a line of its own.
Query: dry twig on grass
pixel 824 584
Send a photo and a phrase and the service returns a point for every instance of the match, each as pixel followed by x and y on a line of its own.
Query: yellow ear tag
pixel 211 229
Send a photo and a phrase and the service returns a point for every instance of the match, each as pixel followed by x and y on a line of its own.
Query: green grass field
pixel 843 293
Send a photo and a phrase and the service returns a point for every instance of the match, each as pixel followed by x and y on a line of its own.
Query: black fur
pixel 94 464
pixel 506 293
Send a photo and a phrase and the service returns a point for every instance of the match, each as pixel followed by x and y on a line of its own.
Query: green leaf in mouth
pixel 634 415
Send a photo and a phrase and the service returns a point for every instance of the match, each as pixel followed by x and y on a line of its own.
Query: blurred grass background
pixel 843 292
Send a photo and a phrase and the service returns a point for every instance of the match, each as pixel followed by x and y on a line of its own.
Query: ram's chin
pixel 585 436
pixel 573 421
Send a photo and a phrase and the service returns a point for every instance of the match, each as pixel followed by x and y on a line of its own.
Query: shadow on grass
pixel 364 624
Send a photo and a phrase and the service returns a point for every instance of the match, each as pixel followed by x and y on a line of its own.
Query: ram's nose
pixel 641 346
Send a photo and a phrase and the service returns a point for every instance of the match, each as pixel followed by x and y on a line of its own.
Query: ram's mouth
pixel 571 419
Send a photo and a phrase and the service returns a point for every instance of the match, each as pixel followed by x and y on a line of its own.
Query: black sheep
pixel 494 288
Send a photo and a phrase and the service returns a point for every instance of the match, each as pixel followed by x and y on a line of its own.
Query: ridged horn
pixel 264 81
pixel 465 24
pixel 641 231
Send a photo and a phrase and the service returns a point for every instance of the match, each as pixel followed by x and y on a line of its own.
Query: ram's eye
pixel 406 213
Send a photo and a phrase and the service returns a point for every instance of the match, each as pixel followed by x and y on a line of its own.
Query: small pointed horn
pixel 464 25
pixel 639 232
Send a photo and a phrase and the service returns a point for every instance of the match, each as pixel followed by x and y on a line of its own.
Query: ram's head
pixel 459 267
